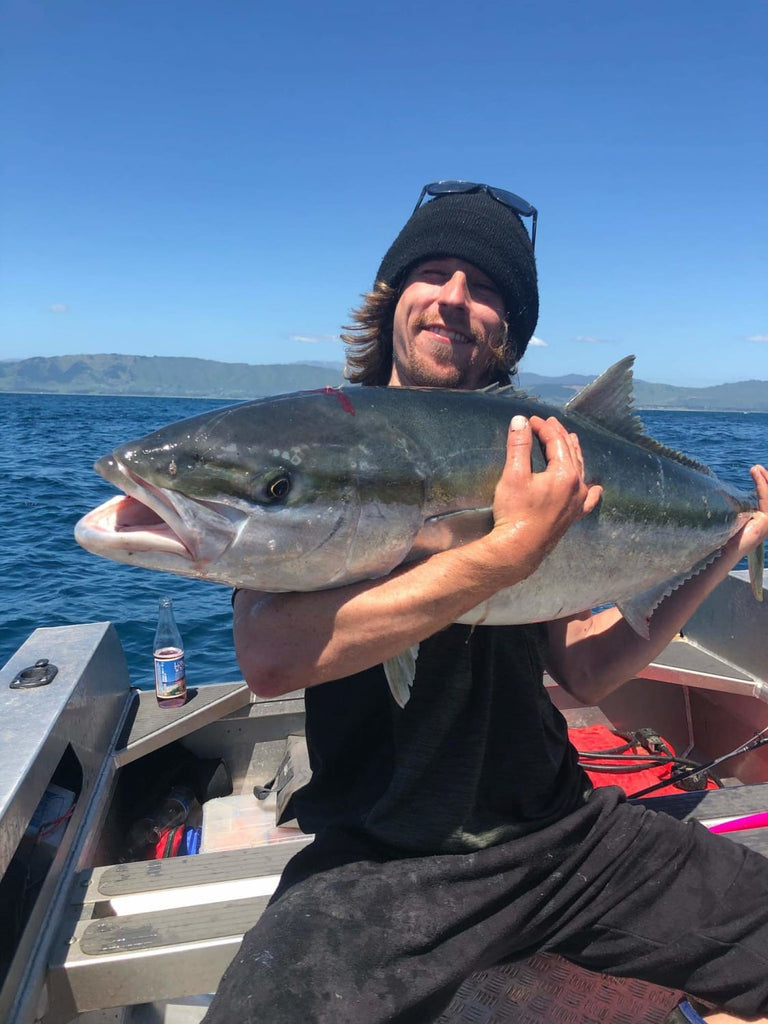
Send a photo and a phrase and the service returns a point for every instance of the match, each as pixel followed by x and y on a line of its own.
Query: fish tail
pixel 756 560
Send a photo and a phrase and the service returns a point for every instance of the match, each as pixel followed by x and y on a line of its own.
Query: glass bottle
pixel 147 831
pixel 170 677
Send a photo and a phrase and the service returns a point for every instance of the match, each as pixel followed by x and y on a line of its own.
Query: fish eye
pixel 278 487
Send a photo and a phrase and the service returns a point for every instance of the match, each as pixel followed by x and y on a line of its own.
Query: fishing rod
pixel 634 763
pixel 758 740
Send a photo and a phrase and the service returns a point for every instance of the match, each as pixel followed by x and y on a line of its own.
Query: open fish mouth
pixel 127 523
pixel 152 519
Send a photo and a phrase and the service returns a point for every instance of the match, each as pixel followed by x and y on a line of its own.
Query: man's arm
pixel 592 655
pixel 288 641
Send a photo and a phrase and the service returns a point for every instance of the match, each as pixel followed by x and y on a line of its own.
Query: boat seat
pixel 159 929
pixel 162 929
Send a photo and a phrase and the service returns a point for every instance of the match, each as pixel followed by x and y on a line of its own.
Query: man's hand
pixel 532 510
pixel 756 529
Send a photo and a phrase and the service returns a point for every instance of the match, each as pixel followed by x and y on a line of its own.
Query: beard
pixel 440 372
pixel 437 368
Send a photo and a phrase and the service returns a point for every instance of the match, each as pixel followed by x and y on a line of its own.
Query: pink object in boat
pixel 759 820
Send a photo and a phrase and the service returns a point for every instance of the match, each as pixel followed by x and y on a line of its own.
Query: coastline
pixel 233 399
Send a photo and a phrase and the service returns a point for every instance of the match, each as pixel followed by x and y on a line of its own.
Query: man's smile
pixel 447 335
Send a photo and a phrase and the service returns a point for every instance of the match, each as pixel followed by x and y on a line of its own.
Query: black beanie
pixel 475 227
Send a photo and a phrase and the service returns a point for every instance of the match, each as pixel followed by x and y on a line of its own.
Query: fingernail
pixel 519 423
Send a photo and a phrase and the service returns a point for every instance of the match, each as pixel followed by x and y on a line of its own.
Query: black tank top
pixel 479 754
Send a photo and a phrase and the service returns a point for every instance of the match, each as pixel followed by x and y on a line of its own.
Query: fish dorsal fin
pixel 609 401
pixel 508 391
pixel 500 389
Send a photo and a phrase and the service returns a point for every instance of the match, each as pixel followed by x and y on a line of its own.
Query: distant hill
pixel 178 376
pixel 555 390
pixel 744 396
pixel 162 375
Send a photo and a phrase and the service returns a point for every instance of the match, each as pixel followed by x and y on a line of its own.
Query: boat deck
pixel 144 929
pixel 144 942
pixel 158 920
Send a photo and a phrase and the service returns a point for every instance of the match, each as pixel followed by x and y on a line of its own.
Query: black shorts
pixel 356 933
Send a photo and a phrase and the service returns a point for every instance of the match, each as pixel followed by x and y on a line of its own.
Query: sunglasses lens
pixel 444 188
pixel 516 203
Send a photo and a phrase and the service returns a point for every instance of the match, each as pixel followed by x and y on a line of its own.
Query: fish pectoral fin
pixel 756 561
pixel 440 533
pixel 400 672
pixel 639 608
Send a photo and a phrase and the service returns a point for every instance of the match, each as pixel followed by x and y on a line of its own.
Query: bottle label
pixel 170 679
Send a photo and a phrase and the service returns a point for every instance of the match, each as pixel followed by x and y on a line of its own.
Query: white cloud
pixel 758 337
pixel 537 342
pixel 59 307
pixel 314 339
pixel 587 339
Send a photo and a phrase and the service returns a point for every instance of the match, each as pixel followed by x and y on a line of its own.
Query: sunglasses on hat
pixel 517 203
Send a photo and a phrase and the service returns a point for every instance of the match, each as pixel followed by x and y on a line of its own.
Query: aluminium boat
pixel 94 938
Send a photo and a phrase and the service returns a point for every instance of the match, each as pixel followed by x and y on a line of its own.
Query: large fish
pixel 318 489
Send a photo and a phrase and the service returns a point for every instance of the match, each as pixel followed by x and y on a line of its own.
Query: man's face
pixel 448 320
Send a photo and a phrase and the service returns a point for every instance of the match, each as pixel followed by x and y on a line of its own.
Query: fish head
pixel 277 495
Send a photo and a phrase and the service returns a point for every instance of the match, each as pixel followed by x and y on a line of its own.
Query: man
pixel 460 831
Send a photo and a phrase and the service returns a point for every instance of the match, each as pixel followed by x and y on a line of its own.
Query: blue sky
pixel 222 179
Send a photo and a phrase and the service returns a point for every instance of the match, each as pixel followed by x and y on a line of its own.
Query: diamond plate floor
pixel 545 989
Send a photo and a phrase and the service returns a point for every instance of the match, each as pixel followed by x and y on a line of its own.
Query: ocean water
pixel 47 483
pixel 49 445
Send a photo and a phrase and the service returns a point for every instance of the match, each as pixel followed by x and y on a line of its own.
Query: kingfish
pixel 319 489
